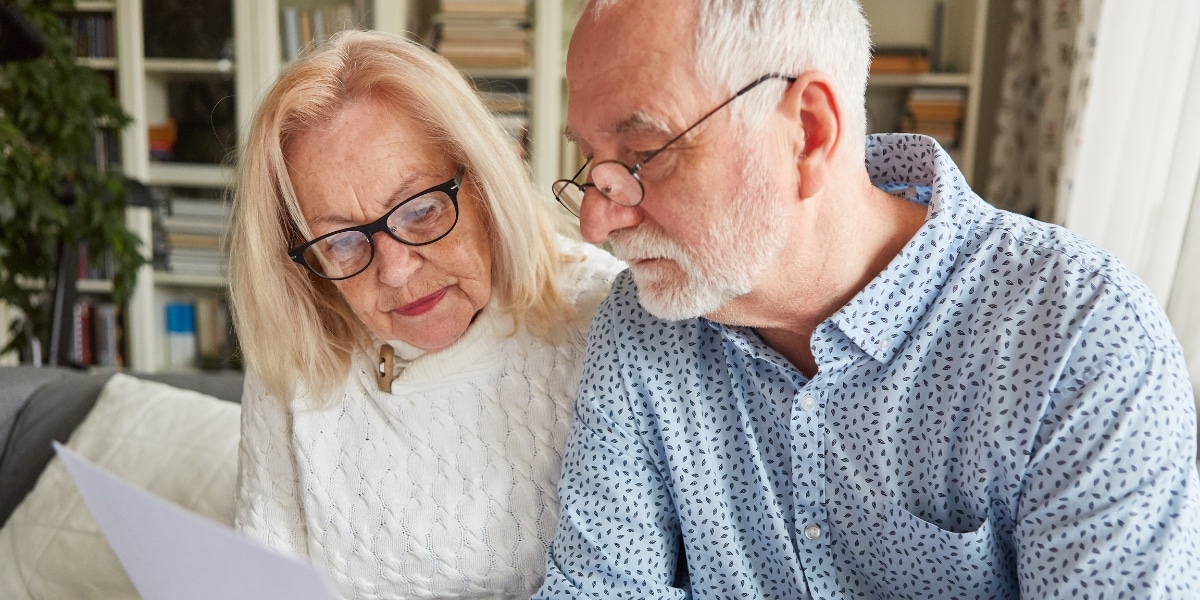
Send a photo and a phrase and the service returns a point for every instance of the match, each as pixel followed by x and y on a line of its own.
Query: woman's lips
pixel 421 306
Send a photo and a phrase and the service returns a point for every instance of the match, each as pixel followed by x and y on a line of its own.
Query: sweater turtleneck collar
pixel 476 349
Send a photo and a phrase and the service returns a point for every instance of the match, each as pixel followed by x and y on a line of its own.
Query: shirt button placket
pixel 812 532
pixel 808 402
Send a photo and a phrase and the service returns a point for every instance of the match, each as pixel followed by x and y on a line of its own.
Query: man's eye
pixel 641 157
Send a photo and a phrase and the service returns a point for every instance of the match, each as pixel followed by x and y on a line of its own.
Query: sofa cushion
pixel 42 404
pixel 178 444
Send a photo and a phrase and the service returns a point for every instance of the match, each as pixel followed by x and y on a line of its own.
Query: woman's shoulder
pixel 586 273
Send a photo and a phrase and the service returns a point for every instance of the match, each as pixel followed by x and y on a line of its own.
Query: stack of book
pixel 303 29
pixel 900 59
pixel 93 34
pixel 194 230
pixel 483 33
pixel 937 113
pixel 95 339
pixel 508 100
pixel 200 335
pixel 216 342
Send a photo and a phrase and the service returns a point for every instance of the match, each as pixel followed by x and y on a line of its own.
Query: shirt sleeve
pixel 617 535
pixel 267 507
pixel 1110 497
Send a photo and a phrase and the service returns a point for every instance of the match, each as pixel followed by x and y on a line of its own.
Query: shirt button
pixel 808 402
pixel 884 344
pixel 812 532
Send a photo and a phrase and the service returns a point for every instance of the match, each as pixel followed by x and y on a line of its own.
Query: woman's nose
pixel 395 262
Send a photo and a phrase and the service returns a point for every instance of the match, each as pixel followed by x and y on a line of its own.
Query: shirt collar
pixel 881 318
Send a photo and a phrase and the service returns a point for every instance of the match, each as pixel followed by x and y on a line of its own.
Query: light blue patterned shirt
pixel 1003 412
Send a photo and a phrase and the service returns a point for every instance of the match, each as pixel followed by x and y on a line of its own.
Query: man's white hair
pixel 738 41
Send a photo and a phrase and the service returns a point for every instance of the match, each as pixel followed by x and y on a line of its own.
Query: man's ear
pixel 812 106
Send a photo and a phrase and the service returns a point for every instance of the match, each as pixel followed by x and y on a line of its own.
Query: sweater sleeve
pixel 267 507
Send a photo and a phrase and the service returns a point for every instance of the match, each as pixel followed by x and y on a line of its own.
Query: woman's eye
pixel 342 246
pixel 420 213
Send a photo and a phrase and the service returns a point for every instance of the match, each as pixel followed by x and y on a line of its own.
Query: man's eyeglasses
pixel 622 184
pixel 423 219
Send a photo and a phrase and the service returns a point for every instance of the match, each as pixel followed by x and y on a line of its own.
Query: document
pixel 171 553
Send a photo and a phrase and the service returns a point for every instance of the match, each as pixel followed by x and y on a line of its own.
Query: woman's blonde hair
pixel 295 329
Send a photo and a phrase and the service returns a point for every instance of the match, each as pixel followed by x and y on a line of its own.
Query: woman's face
pixel 350 172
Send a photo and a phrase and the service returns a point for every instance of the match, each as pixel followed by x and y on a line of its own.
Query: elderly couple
pixel 821 368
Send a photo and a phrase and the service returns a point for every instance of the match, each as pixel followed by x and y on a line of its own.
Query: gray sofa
pixel 38 405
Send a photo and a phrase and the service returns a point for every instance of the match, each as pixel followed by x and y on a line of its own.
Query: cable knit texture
pixel 444 488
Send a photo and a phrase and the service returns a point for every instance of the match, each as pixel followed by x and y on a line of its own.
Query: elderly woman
pixel 412 326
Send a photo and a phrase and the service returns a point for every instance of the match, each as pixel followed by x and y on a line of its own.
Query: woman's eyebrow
pixel 403 190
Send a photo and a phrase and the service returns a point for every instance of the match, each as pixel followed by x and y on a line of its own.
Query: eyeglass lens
pixel 417 221
pixel 610 178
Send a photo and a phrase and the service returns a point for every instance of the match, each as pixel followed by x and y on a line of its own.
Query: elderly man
pixel 830 377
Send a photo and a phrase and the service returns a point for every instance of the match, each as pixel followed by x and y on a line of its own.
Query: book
pixel 517 8
pixel 900 59
pixel 936 60
pixel 200 208
pixel 107 335
pixel 290 32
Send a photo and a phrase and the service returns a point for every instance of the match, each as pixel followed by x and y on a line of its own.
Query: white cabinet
pixel 952 34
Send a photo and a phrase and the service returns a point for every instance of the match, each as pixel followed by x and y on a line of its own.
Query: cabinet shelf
pixel 168 279
pixel 922 79
pixel 95 286
pixel 498 73
pixel 189 175
pixel 98 63
pixel 95 5
pixel 189 65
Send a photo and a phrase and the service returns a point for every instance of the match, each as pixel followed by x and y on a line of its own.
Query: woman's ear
pixel 812 107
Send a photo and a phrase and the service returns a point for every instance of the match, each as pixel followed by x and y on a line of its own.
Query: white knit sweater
pixel 444 488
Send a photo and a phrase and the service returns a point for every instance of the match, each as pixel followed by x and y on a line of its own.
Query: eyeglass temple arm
pixel 710 113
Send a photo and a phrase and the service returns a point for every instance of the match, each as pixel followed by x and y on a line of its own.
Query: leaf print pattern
pixel 1003 412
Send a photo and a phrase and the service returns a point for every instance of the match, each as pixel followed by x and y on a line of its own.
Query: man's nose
pixel 599 217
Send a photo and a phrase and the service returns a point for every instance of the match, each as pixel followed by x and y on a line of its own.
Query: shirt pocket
pixel 913 558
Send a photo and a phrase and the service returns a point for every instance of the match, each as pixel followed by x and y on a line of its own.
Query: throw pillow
pixel 178 444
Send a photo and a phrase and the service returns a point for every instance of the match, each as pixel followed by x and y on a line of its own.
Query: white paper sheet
pixel 171 553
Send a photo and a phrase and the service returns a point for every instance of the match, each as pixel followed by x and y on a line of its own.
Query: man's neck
pixel 852 240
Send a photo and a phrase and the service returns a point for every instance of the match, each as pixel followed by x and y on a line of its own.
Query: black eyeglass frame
pixel 636 169
pixel 450 187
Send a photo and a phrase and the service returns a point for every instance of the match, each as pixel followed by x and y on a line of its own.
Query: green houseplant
pixel 52 192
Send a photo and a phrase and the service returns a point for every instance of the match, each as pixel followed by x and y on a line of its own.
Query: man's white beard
pixel 726 262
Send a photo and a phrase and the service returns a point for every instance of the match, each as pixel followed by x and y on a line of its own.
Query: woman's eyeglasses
pixel 423 219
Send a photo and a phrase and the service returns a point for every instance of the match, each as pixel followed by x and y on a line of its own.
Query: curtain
pixel 1047 65
pixel 1131 158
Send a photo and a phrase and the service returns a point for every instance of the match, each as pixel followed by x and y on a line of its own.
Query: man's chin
pixel 672 301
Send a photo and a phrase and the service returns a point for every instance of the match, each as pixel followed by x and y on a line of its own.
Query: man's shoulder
pixel 1077 271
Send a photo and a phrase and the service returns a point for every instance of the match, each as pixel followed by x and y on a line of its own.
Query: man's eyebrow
pixel 638 122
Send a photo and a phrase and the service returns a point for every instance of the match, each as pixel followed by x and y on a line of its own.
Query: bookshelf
pixel 951 36
pixel 189 75
pixel 484 39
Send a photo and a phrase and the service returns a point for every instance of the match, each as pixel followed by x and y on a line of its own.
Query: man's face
pixel 707 226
